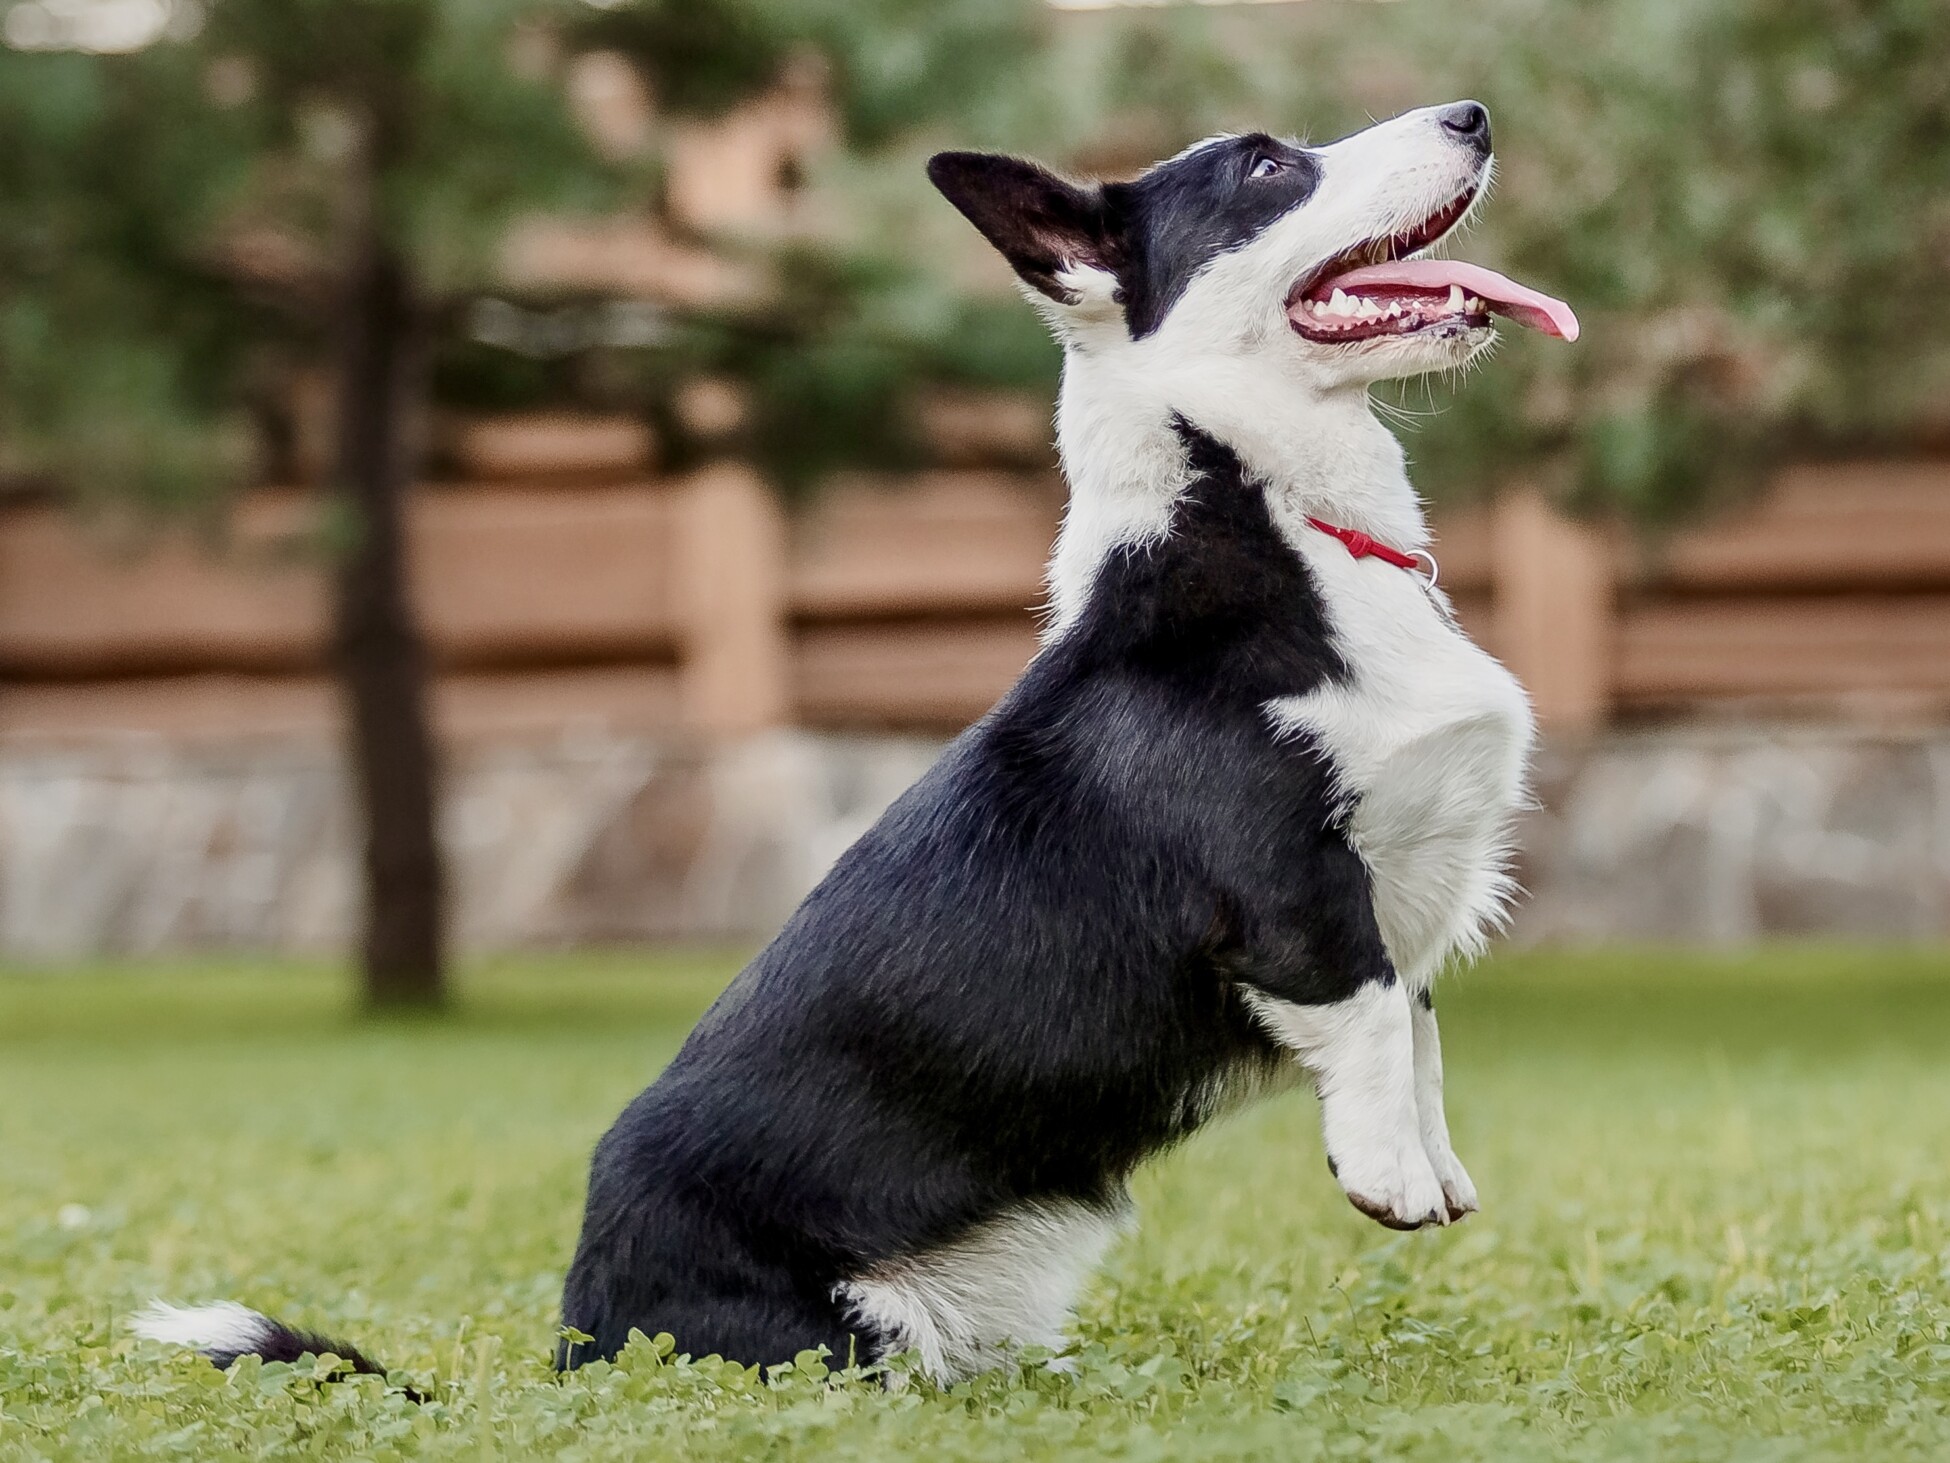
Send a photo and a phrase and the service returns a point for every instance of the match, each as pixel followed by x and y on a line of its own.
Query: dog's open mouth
pixel 1376 290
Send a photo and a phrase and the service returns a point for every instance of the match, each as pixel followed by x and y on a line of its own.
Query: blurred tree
pixel 1744 199
pixel 200 202
pixel 393 140
pixel 120 338
pixel 203 202
pixel 857 314
pixel 264 187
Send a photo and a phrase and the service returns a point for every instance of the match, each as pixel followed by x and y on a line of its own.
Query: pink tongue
pixel 1523 305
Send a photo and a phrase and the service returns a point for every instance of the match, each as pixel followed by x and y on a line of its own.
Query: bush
pixel 1745 200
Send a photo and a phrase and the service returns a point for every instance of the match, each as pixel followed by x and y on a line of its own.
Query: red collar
pixel 1361 546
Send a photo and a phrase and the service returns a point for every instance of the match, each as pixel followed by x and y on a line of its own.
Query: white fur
pixel 1429 735
pixel 1456 1187
pixel 1227 359
pixel 1362 1054
pixel 1431 738
pixel 219 1326
pixel 1010 1283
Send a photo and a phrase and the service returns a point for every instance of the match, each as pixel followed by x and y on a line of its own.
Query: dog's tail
pixel 223 1331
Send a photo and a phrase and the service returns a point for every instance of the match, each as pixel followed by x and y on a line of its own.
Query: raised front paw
pixel 1395 1186
pixel 1458 1193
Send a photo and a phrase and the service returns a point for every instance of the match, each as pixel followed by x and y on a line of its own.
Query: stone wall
pixel 1724 835
pixel 136 846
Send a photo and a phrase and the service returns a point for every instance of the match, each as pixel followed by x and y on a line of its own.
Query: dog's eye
pixel 1266 167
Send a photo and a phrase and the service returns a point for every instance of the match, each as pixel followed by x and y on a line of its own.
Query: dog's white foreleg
pixel 1457 1191
pixel 1361 1051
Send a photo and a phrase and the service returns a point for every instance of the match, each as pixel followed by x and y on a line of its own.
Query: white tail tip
pixel 220 1326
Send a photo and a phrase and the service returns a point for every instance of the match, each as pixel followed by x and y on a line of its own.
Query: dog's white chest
pixel 1430 738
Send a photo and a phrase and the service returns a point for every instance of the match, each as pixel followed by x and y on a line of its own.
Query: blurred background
pixel 495 474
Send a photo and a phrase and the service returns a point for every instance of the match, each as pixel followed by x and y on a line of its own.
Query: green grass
pixel 1716 1202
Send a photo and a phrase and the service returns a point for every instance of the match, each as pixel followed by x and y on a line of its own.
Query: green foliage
pixel 118 337
pixel 833 358
pixel 1715 1229
pixel 851 323
pixel 901 65
pixel 431 94
pixel 171 220
pixel 1744 200
pixel 700 56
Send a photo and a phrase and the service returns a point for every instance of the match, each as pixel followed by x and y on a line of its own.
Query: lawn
pixel 1716 1196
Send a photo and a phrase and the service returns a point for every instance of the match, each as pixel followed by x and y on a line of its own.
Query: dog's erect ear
pixel 1042 224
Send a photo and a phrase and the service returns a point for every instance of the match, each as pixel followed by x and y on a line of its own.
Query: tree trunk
pixel 381 657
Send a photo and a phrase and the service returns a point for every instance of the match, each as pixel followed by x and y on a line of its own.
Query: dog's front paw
pixel 1395 1186
pixel 1458 1193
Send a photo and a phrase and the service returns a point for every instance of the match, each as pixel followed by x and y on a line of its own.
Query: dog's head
pixel 1249 245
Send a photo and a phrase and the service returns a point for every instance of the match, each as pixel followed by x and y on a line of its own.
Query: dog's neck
pixel 1322 453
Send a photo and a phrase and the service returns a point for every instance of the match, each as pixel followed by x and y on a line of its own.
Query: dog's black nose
pixel 1470 122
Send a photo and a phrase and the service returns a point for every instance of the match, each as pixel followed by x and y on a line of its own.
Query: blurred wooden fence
pixel 1830 596
pixel 598 596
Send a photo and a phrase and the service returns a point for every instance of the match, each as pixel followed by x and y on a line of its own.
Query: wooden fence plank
pixel 548 702
pixel 512 573
pixel 551 445
pixel 946 543
pixel 730 576
pixel 1553 611
pixel 930 675
pixel 1842 526
pixel 500 574
pixel 911 605
pixel 1463 548
pixel 224 707
pixel 967 427
pixel 72 604
pixel 1716 648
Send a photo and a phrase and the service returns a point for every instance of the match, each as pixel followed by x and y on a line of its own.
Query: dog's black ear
pixel 1042 224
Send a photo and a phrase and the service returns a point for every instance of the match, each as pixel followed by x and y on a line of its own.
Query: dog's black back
pixel 1023 980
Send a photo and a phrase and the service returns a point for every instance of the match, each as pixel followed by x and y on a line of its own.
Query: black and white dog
pixel 1255 790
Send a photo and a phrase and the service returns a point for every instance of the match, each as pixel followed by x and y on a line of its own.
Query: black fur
pixel 1154 234
pixel 1180 215
pixel 1038 222
pixel 1022 981
pixel 275 1341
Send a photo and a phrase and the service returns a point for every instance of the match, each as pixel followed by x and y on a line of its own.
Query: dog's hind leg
pixel 751 1329
pixel 712 1299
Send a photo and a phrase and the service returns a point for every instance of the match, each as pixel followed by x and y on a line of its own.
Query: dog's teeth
pixel 1339 304
pixel 1367 308
pixel 1475 305
pixel 1455 299
pixel 1394 310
